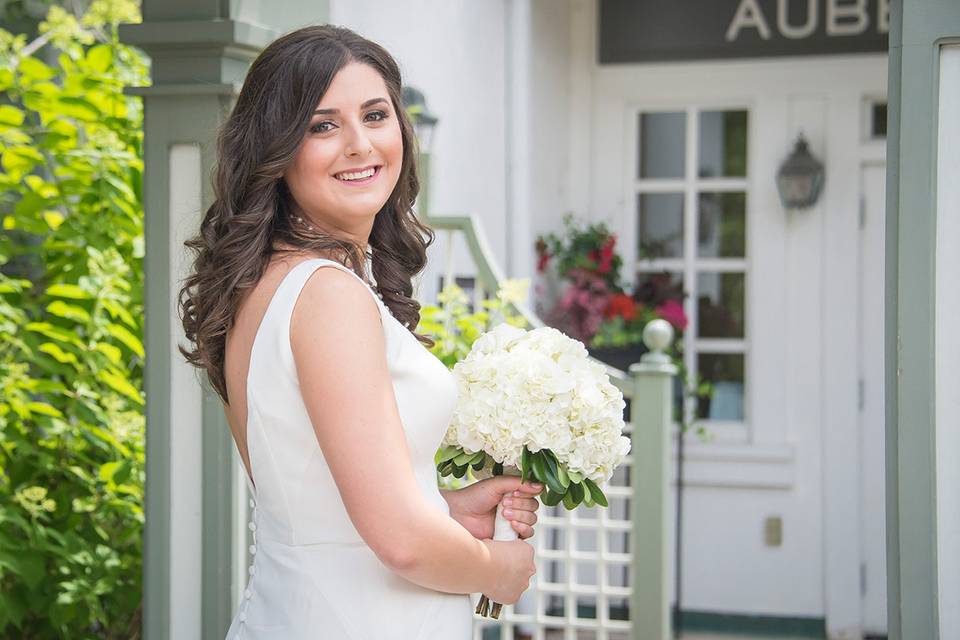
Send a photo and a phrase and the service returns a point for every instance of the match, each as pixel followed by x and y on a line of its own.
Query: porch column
pixel 195 534
pixel 923 517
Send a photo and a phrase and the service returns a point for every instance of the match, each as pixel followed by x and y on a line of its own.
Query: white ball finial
pixel 658 335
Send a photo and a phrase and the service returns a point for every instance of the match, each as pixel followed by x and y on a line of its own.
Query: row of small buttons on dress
pixel 247 593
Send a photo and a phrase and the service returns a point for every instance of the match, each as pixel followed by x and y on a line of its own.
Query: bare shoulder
pixel 335 309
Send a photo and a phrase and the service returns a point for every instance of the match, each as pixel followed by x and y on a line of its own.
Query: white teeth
pixel 356 176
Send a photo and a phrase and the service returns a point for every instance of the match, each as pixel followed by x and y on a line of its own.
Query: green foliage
pixel 71 324
pixel 454 327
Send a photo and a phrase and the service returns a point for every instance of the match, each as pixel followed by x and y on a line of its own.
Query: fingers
pixel 524 531
pixel 521 504
pixel 523 517
pixel 529 488
pixel 520 513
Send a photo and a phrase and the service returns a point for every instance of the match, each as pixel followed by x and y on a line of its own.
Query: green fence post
pixel 651 414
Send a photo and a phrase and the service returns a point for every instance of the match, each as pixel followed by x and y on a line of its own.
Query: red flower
pixel 620 304
pixel 672 312
pixel 542 262
pixel 606 254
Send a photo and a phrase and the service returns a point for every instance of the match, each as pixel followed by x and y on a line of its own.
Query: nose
pixel 358 144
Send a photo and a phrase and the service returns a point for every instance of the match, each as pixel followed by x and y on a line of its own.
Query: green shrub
pixel 71 303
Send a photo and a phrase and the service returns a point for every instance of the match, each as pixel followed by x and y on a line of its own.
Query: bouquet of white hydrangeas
pixel 532 403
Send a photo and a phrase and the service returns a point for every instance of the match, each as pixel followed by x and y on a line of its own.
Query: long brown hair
pixel 253 209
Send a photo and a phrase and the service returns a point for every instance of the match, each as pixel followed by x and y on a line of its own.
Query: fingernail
pixel 536 485
pixel 516 493
pixel 507 512
pixel 507 502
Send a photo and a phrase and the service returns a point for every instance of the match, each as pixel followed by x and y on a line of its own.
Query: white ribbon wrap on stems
pixel 501 528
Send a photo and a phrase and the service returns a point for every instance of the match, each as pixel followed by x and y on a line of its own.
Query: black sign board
pixel 665 30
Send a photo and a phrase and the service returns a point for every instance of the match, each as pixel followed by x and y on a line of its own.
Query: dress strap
pixel 297 278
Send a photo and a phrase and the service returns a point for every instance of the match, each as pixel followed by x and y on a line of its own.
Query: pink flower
pixel 581 305
pixel 672 312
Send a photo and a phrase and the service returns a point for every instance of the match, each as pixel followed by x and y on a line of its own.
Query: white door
pixel 871 348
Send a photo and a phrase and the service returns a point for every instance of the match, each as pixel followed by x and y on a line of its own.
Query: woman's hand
pixel 475 507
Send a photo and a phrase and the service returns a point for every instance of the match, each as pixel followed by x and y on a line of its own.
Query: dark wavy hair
pixel 253 209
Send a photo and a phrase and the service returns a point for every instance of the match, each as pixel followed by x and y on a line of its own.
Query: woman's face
pixel 351 155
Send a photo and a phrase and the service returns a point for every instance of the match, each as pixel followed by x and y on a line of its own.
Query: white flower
pixel 538 389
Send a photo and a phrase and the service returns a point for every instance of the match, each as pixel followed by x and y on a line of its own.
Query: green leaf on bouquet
pixel 539 467
pixel 480 461
pixel 552 475
pixel 576 490
pixel 550 498
pixel 459 471
pixel 464 458
pixel 526 465
pixel 497 468
pixel 575 476
pixel 562 475
pixel 446 453
pixel 588 497
pixel 569 502
pixel 445 468
pixel 556 467
pixel 595 492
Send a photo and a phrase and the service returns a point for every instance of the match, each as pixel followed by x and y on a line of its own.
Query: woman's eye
pixel 381 115
pixel 319 127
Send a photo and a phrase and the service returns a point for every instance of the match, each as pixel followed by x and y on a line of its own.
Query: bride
pixel 335 404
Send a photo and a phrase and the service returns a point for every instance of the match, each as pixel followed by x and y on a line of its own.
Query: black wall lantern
pixel 800 177
pixel 423 120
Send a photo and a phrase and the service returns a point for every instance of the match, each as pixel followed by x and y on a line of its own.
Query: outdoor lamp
pixel 423 120
pixel 800 177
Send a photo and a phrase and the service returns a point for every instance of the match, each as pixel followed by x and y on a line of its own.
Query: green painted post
pixel 918 29
pixel 651 414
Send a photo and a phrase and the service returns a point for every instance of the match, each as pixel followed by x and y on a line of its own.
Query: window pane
pixel 723 144
pixel 654 289
pixel 662 145
pixel 721 225
pixel 720 309
pixel 660 225
pixel 725 373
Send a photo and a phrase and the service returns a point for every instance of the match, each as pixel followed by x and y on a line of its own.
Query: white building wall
pixel 550 125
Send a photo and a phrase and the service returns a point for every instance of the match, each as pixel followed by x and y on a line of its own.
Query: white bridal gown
pixel 312 575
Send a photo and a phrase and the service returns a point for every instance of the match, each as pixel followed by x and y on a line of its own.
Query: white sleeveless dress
pixel 312 576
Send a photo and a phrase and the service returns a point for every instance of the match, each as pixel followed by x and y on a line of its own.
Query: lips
pixel 358 176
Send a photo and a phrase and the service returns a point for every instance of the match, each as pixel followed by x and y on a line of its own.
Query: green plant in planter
pixel 589 248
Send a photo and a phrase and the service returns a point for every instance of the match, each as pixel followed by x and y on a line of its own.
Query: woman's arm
pixel 338 347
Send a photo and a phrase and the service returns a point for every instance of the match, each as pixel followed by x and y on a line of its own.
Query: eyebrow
pixel 366 104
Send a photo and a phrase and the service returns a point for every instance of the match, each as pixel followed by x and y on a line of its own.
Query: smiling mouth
pixel 359 177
